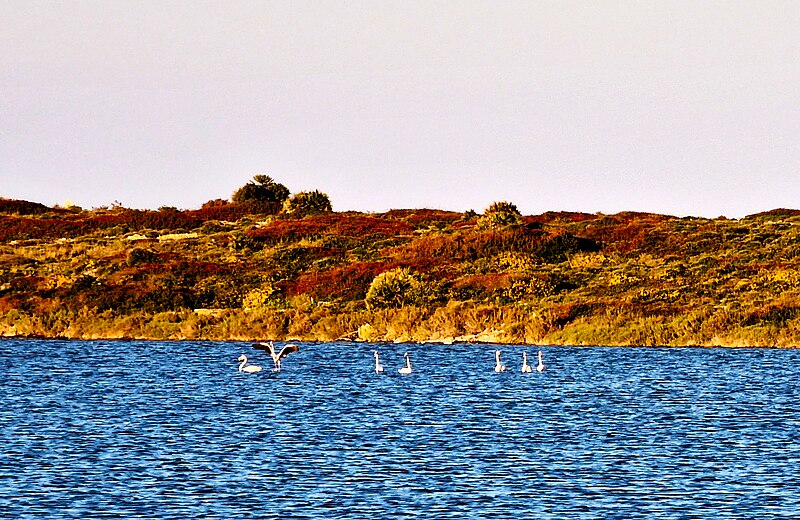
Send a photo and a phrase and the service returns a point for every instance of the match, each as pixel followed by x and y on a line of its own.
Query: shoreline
pixel 453 323
pixel 443 342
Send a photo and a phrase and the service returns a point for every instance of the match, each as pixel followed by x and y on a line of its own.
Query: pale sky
pixel 676 107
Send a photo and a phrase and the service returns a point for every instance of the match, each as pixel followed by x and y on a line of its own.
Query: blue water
pixel 172 430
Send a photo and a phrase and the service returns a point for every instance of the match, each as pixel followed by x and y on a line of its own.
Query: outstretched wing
pixel 265 346
pixel 285 351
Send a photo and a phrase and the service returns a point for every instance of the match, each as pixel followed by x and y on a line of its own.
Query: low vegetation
pixel 274 266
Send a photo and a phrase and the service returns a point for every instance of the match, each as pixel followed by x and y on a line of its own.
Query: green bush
pixel 499 215
pixel 307 203
pixel 397 288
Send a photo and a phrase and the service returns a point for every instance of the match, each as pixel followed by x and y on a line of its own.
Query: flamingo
pixel 498 367
pixel 406 369
pixel 540 366
pixel 378 366
pixel 249 368
pixel 526 368
pixel 276 358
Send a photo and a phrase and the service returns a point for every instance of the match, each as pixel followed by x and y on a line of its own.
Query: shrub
pixel 307 203
pixel 479 286
pixel 422 218
pixel 348 282
pixel 227 292
pixel 258 297
pixel 22 207
pixel 214 203
pixel 396 288
pixel 297 258
pixel 559 246
pixel 213 210
pixel 139 256
pixel 261 189
pixel 499 215
pixel 367 332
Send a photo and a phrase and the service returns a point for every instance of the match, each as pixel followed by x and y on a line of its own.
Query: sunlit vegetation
pixel 307 203
pixel 262 188
pixel 500 214
pixel 253 269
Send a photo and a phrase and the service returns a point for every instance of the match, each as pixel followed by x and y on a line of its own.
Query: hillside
pixel 237 271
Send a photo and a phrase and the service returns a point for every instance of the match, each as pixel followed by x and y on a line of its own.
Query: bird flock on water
pixel 289 348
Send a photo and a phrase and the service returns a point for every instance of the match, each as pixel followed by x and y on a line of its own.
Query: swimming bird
pixel 249 368
pixel 540 366
pixel 378 366
pixel 498 367
pixel 406 369
pixel 276 358
pixel 526 368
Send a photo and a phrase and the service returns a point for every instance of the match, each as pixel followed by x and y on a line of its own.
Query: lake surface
pixel 173 430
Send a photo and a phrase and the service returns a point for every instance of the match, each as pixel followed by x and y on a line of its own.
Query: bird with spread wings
pixel 276 357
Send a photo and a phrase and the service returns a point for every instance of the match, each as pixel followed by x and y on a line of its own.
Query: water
pixel 172 430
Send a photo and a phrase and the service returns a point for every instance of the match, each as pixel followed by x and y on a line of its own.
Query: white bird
pixel 526 368
pixel 498 367
pixel 406 369
pixel 540 366
pixel 276 358
pixel 249 368
pixel 378 366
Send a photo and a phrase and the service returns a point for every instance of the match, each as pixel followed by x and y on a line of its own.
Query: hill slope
pixel 238 272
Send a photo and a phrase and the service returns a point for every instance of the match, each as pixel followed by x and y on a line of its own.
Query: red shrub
pixel 23 228
pixel 344 226
pixel 462 247
pixel 349 282
pixel 233 212
pixel 621 237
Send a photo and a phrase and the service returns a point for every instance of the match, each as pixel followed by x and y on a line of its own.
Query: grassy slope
pixel 560 278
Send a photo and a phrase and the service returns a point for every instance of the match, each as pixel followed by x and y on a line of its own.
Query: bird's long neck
pixel 242 364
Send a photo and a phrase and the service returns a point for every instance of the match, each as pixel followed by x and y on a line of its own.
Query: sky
pixel 687 108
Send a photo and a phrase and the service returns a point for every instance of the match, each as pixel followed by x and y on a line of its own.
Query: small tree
pixel 307 203
pixel 261 189
pixel 500 214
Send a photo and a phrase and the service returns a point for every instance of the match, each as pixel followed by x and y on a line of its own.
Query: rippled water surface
pixel 173 430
